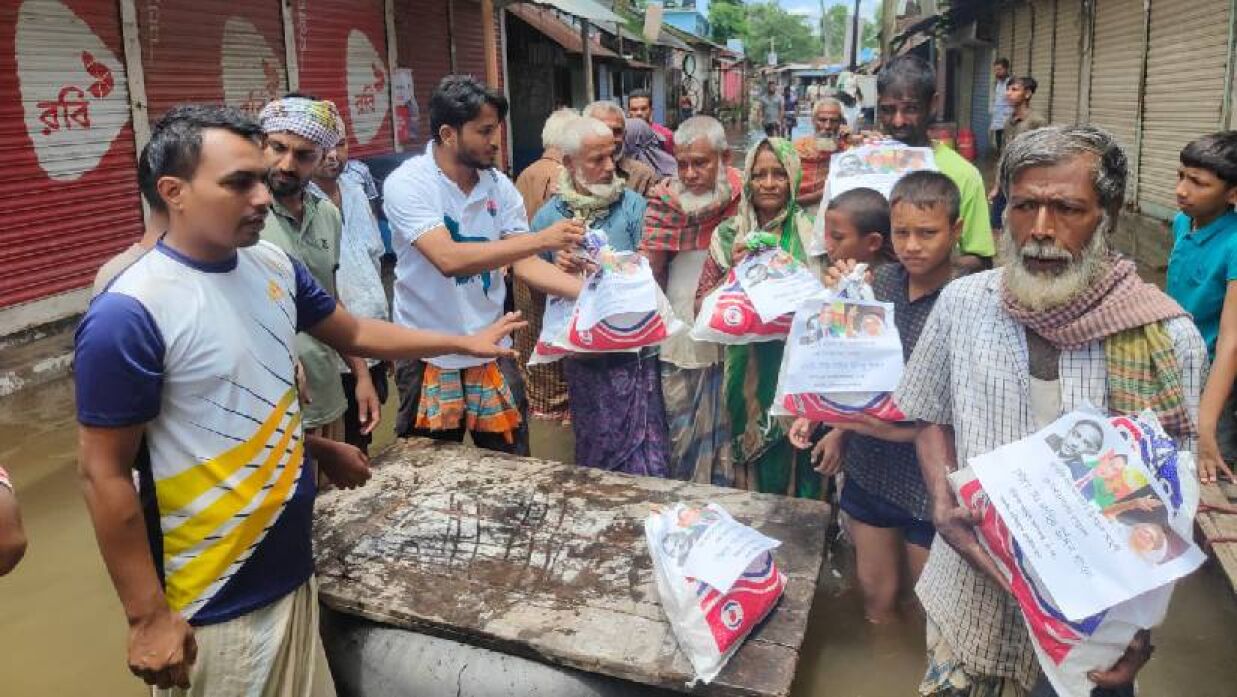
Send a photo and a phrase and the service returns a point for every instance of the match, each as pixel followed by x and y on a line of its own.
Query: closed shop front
pixel 423 39
pixel 981 97
pixel 1067 63
pixel 1023 28
pixel 1186 62
pixel 68 189
pixel 212 51
pixel 1042 12
pixel 341 48
pixel 1005 33
pixel 1116 65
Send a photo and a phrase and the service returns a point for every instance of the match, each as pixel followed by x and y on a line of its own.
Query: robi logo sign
pixel 369 100
pixel 72 87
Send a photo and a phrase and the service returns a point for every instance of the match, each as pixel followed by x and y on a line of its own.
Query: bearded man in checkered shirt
pixel 1065 323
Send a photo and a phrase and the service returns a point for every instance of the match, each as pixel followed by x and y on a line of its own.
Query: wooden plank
pixel 547 561
pixel 1218 526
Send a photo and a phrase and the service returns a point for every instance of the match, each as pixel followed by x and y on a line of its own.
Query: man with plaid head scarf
pixel 299 130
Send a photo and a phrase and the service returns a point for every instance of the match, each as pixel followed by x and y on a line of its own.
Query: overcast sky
pixel 811 8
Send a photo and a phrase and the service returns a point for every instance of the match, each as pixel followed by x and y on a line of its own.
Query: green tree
pixel 727 19
pixel 790 36
pixel 835 30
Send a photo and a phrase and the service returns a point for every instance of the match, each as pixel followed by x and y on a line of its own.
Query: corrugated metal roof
pixel 585 9
pixel 560 32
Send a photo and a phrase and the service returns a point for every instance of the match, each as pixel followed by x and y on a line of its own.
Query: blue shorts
pixel 873 510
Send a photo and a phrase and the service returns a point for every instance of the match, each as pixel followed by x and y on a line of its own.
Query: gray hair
pixel 702 127
pixel 604 106
pixel 827 101
pixel 580 129
pixel 1054 145
pixel 552 132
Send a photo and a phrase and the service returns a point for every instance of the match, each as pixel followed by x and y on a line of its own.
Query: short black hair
pixel 458 99
pixel 1216 153
pixel 908 72
pixel 1028 83
pixel 868 212
pixel 1002 61
pixel 640 94
pixel 925 189
pixel 146 181
pixel 175 146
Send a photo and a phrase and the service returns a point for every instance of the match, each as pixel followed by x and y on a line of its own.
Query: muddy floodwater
pixel 62 631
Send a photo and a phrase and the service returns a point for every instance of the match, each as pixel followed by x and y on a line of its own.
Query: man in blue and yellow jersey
pixel 185 373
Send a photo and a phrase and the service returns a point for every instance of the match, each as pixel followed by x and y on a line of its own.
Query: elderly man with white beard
pixel 615 401
pixel 1065 324
pixel 678 227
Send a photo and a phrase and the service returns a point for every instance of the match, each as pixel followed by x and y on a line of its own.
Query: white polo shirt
pixel 419 197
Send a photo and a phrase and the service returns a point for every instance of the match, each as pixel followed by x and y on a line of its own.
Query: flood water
pixel 62 631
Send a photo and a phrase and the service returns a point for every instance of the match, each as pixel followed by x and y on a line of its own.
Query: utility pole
pixel 587 50
pixel 854 39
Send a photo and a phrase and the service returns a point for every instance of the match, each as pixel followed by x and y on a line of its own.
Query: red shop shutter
pixel 212 51
pixel 69 186
pixel 341 48
pixel 423 43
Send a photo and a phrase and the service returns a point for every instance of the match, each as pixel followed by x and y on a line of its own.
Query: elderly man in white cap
pixel 299 130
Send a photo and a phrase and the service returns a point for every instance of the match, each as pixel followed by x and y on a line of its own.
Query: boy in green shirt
pixel 906 88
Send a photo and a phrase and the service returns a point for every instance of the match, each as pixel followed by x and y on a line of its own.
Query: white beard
pixel 1039 292
pixel 613 188
pixel 694 203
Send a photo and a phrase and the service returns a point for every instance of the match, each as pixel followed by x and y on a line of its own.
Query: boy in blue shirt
pixel 1202 276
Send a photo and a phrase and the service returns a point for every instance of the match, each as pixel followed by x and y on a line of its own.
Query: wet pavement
pixel 62 631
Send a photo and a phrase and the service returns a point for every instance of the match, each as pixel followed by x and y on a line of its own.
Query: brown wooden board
pixel 548 561
pixel 1220 528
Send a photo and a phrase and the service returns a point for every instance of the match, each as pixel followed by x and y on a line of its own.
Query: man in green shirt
pixel 906 90
pixel 299 131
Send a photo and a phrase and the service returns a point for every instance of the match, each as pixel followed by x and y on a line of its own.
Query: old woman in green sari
pixel 763 459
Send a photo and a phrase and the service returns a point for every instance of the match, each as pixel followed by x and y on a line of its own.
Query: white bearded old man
pixel 1065 324
pixel 682 213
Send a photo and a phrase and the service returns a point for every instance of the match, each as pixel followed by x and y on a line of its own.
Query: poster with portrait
pixel 776 282
pixel 1092 520
pixel 842 345
pixel 622 284
pixel 1068 648
pixel 876 166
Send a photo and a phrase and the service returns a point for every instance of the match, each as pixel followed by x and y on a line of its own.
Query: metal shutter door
pixel 1022 39
pixel 1068 62
pixel 1041 54
pixel 981 89
pixel 1184 90
pixel 341 48
pixel 1115 66
pixel 69 186
pixel 1005 40
pixel 469 35
pixel 211 51
pixel 424 46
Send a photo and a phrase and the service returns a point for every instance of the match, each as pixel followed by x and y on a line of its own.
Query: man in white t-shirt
pixel 456 223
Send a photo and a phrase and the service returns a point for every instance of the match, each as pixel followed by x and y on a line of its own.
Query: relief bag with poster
pixel 716 579
pixel 843 358
pixel 621 308
pixel 756 300
pixel 1091 521
pixel 876 166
